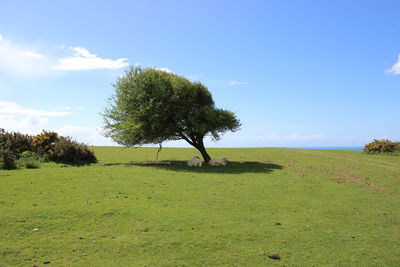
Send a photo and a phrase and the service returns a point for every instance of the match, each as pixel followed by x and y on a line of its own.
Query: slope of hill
pixel 311 207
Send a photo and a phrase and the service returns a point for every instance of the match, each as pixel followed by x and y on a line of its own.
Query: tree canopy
pixel 151 106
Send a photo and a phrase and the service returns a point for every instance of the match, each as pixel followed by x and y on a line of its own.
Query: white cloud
pixel 70 108
pixel 248 139
pixel 32 54
pixel 194 77
pixel 280 138
pixel 86 134
pixel 19 60
pixel 82 59
pixel 165 70
pixel 395 69
pixel 14 117
pixel 13 109
pixel 294 137
pixel 234 83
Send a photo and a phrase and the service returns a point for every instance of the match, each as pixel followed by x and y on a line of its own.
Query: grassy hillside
pixel 335 208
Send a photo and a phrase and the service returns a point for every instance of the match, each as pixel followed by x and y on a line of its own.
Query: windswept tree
pixel 152 106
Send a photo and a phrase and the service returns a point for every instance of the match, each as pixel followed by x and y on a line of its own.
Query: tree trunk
pixel 200 147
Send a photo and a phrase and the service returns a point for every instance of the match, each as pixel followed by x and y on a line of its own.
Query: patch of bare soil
pixel 347 177
pixel 290 163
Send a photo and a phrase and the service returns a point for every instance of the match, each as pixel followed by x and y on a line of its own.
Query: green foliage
pixel 7 159
pixel 67 150
pixel 382 146
pixel 29 160
pixel 15 142
pixel 12 144
pixel 43 143
pixel 60 148
pixel 397 146
pixel 18 150
pixel 152 106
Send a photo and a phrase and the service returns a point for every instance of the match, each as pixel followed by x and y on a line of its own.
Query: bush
pixel 7 159
pixel 19 150
pixel 382 146
pixel 44 142
pixel 15 143
pixel 397 144
pixel 11 146
pixel 70 151
pixel 29 160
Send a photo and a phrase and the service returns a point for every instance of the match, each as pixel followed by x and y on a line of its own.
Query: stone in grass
pixel 35 229
pixel 274 257
pixel 278 223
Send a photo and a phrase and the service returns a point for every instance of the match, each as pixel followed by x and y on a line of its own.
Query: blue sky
pixel 296 73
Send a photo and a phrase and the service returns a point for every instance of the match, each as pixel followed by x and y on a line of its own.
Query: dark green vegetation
pixel 339 208
pixel 382 146
pixel 11 147
pixel 152 106
pixel 19 150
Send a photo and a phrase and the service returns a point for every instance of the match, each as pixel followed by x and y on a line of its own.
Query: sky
pixel 296 73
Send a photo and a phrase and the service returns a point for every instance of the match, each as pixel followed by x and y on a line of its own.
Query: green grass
pixel 337 208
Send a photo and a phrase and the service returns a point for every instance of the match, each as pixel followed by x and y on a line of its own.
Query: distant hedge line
pixel 16 147
pixel 382 146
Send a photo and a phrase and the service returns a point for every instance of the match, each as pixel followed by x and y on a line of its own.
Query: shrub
pixel 7 159
pixel 382 146
pixel 44 142
pixel 15 143
pixel 29 160
pixel 68 150
pixel 397 144
pixel 11 146
pixel 19 150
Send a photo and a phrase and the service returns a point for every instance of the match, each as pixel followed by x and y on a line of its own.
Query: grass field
pixel 336 208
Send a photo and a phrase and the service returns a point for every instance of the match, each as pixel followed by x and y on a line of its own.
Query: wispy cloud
pixel 17 59
pixel 82 59
pixel 295 137
pixel 235 83
pixel 164 69
pixel 14 117
pixel 194 77
pixel 395 69
pixel 32 54
pixel 69 108
pixel 87 134
pixel 13 109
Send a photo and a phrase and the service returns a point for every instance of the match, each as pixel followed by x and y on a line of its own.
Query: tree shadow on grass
pixel 73 164
pixel 232 167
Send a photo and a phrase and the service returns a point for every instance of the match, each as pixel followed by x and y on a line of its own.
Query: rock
pixel 35 229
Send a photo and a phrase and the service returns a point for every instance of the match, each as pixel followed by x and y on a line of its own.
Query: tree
pixel 152 106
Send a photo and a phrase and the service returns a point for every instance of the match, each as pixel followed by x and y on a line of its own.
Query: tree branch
pixel 186 139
